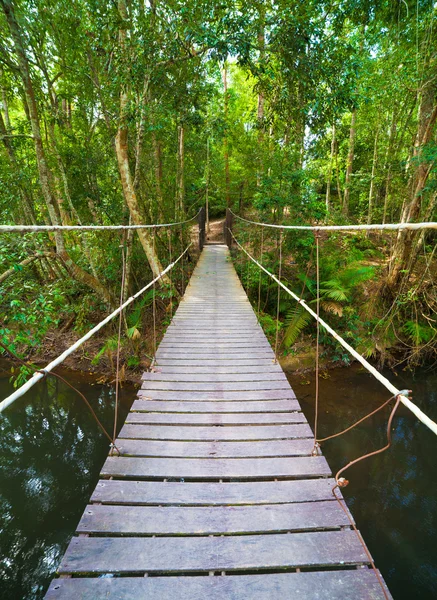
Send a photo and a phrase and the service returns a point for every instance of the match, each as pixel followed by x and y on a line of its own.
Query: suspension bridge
pixel 216 486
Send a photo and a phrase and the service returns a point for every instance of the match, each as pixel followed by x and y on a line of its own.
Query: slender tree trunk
pixel 207 175
pixel 180 182
pixel 44 174
pixel 24 193
pixel 121 149
pixel 5 104
pixel 388 164
pixel 349 164
pixel 261 98
pixel 329 177
pixel 372 178
pixel 404 247
pixel 225 138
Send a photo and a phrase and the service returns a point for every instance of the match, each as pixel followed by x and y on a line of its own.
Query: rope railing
pixel 57 361
pixel 432 425
pixel 37 228
pixel 376 227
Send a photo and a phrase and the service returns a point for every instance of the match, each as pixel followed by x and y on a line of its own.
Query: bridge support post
pixel 201 221
pixel 227 228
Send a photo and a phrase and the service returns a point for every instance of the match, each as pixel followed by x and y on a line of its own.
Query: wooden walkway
pixel 216 495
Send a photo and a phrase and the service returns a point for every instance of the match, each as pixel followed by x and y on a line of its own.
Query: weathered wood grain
pixel 215 406
pixel 359 584
pixel 216 386
pixel 210 493
pixel 234 433
pixel 228 553
pixel 216 520
pixel 254 395
pixel 215 468
pixel 213 377
pixel 299 447
pixel 215 418
pixel 265 368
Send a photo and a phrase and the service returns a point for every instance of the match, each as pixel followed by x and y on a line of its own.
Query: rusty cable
pixel 341 482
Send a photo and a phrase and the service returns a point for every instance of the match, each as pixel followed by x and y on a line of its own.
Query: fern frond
pixel 332 307
pixel 297 319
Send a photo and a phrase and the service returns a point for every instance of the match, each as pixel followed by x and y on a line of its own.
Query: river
pixel 51 452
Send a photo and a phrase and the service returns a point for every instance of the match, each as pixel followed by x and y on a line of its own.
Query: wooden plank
pixel 215 468
pixel 212 368
pixel 354 584
pixel 215 418
pixel 171 493
pixel 215 386
pixel 215 407
pixel 255 395
pixel 223 347
pixel 252 432
pixel 234 354
pixel 212 377
pixel 212 520
pixel 299 447
pixel 214 364
pixel 228 553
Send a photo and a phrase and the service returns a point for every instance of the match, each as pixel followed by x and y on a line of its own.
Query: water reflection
pixel 393 496
pixel 51 452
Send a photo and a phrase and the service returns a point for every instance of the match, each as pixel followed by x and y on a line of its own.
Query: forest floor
pixel 215 233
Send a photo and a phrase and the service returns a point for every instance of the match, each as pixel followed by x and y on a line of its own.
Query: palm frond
pixel 297 319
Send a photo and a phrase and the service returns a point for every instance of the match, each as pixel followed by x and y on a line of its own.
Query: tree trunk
pixel 180 180
pixel 44 174
pixel 349 164
pixel 121 149
pixel 225 138
pixel 404 247
pixel 207 176
pixel 372 178
pixel 261 98
pixel 24 193
pixel 329 177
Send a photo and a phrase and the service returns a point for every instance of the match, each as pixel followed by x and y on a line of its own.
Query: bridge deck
pixel 215 475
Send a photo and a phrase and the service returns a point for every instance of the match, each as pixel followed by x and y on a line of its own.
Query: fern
pixel 297 319
pixel 419 334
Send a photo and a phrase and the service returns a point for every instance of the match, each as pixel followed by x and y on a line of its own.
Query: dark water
pixel 51 452
pixel 393 496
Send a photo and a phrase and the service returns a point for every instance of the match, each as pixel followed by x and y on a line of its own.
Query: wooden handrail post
pixel 227 228
pixel 201 221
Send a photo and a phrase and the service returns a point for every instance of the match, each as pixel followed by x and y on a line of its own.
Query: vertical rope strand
pixel 171 273
pixel 279 296
pixel 154 305
pixel 182 261
pixel 247 267
pixel 260 271
pixel 120 321
pixel 316 413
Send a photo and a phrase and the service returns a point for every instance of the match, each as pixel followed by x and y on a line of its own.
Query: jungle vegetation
pixel 298 112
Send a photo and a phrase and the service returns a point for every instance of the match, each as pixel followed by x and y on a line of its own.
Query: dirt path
pixel 215 234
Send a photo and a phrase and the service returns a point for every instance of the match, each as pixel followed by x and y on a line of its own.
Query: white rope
pixel 413 407
pixel 376 227
pixel 37 228
pixel 39 375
